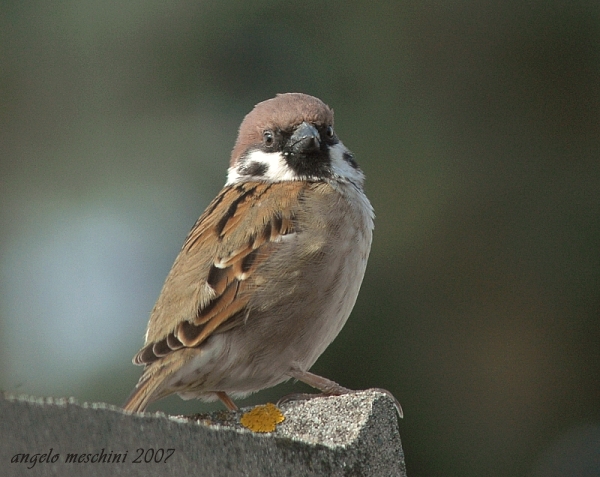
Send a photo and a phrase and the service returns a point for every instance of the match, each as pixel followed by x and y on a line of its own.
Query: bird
pixel 269 273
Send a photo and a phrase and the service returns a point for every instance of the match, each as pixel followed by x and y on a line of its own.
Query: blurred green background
pixel 477 125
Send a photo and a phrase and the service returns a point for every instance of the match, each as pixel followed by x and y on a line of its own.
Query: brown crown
pixel 285 112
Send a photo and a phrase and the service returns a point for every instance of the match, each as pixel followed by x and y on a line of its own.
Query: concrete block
pixel 352 435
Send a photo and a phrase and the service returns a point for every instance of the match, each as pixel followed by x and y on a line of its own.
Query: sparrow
pixel 270 272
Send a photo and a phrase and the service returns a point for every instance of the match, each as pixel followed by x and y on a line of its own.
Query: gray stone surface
pixel 352 435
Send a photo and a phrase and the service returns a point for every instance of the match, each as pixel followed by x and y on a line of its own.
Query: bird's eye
pixel 329 132
pixel 268 137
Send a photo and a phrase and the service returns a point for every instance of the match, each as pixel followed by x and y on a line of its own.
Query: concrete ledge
pixel 352 435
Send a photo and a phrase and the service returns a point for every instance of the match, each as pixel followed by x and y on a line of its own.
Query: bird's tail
pixel 149 388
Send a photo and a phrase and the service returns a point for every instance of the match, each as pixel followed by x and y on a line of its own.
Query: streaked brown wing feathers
pixel 246 221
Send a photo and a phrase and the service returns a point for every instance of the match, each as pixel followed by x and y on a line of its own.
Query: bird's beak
pixel 305 139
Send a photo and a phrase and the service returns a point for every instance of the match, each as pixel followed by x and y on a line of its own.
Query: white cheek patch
pixel 274 168
pixel 342 167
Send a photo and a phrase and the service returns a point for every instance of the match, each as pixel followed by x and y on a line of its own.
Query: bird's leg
pixel 225 399
pixel 329 388
pixel 326 386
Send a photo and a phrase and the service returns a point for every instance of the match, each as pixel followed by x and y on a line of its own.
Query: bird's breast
pixel 305 292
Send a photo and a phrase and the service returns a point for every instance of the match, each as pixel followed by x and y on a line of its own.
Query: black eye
pixel 329 131
pixel 268 137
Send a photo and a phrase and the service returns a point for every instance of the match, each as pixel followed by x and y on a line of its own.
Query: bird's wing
pixel 210 284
